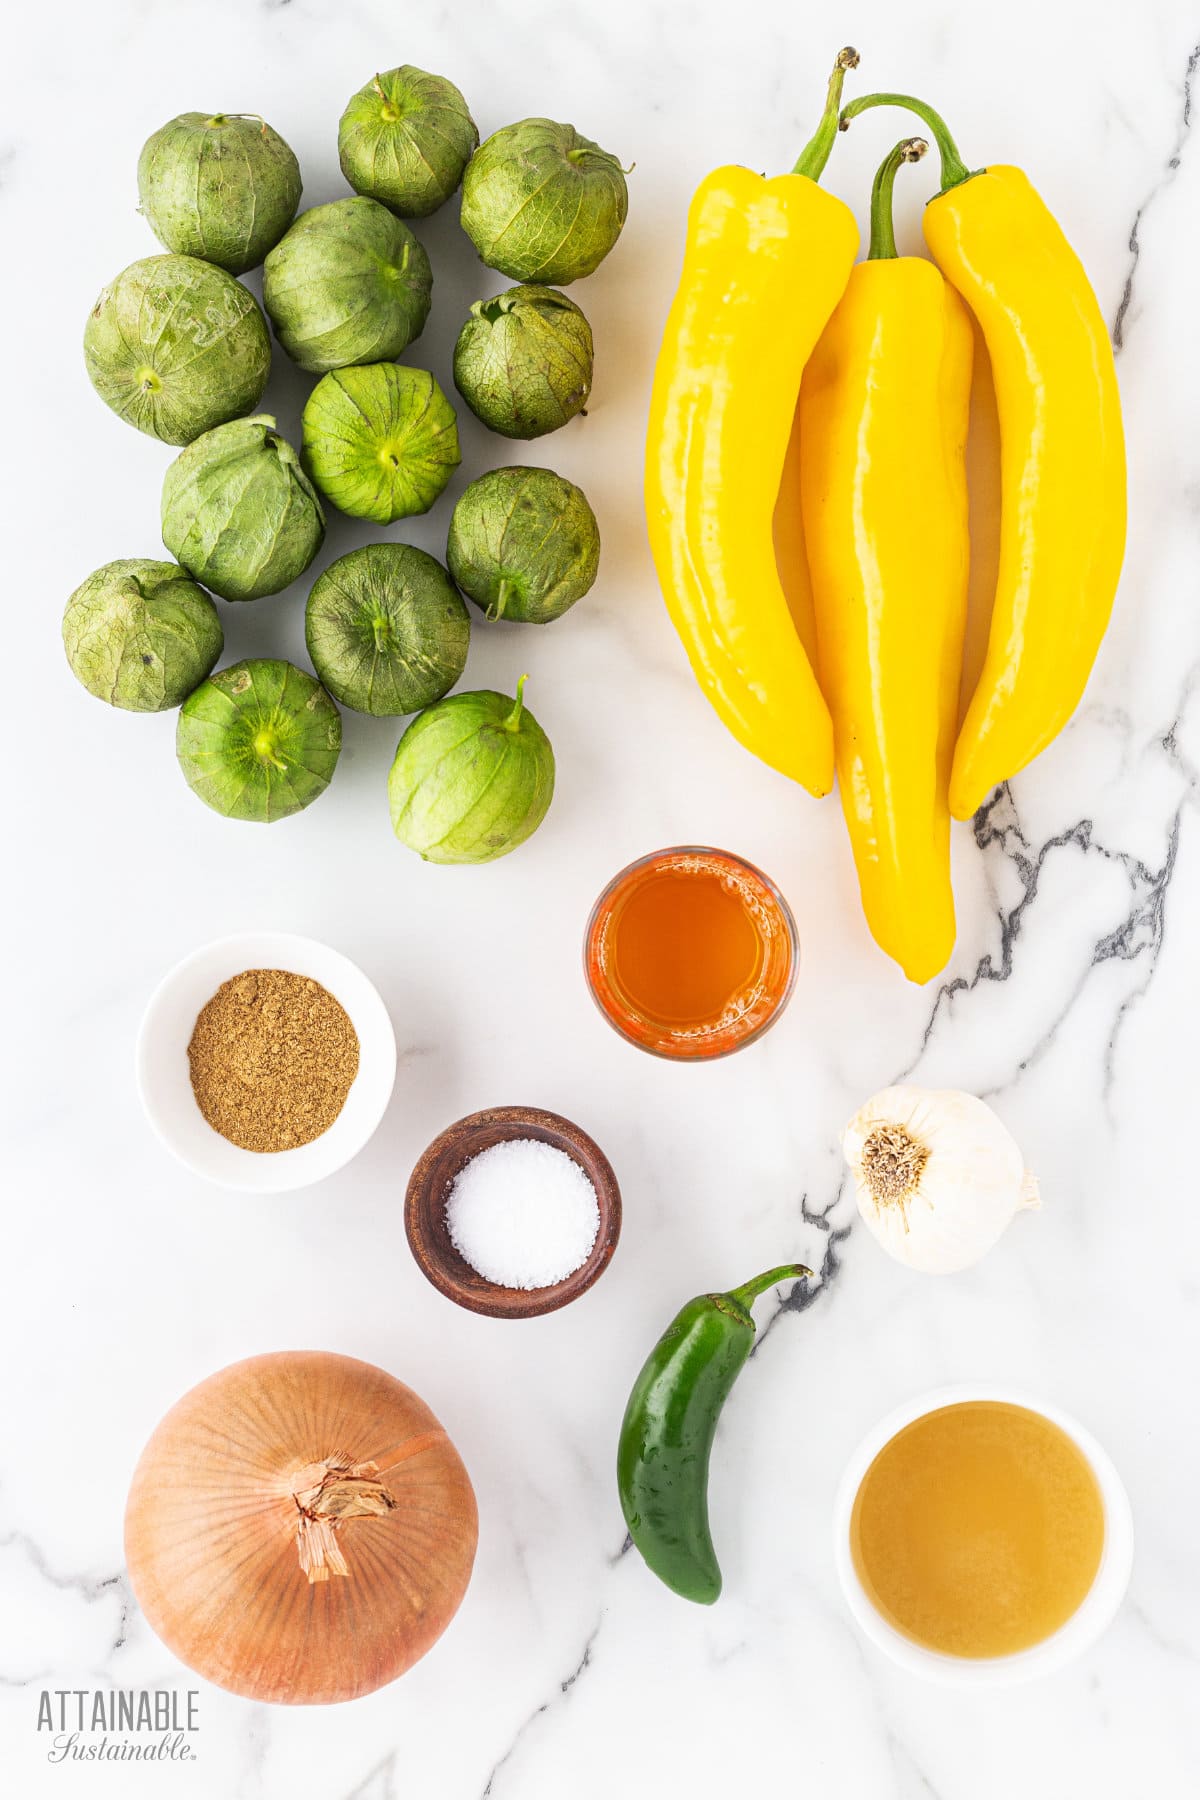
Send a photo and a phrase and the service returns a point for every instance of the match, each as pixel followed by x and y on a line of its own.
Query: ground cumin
pixel 272 1059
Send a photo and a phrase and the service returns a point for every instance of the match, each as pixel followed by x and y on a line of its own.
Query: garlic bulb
pixel 937 1176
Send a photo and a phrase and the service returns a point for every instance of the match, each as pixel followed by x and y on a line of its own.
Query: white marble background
pixel 1071 1001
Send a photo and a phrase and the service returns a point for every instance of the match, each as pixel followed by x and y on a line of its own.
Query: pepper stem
pixel 883 225
pixel 750 1290
pixel 815 154
pixel 954 169
pixel 513 721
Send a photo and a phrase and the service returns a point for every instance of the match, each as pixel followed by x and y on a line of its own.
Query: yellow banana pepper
pixel 791 559
pixel 883 417
pixel 1062 457
pixel 766 262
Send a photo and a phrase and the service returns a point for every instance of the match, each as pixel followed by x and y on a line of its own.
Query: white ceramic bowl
pixel 1063 1646
pixel 165 1084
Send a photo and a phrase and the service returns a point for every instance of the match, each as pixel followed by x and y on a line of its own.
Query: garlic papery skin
pixel 937 1176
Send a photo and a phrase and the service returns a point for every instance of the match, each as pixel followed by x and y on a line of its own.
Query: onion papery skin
pixel 211 1530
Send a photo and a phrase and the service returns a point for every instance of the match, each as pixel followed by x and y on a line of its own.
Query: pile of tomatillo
pixel 178 347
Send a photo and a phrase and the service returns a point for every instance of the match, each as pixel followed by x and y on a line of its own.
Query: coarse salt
pixel 523 1214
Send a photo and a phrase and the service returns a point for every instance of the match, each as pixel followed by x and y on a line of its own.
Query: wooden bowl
pixel 429 1187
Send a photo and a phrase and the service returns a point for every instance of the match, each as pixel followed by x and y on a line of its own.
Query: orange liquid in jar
pixel 978 1529
pixel 690 952
pixel 684 946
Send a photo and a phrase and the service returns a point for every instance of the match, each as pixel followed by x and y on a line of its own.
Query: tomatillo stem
pixel 954 169
pixel 815 154
pixel 513 721
pixel 267 750
pixel 883 225
pixel 503 592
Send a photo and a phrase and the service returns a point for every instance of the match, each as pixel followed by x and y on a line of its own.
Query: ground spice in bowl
pixel 272 1058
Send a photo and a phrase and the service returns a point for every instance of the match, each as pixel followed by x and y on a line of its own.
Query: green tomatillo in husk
pixel 176 346
pixel 141 634
pixel 220 186
pixel 542 203
pixel 523 361
pixel 472 779
pixel 259 740
pixel 348 284
pixel 381 441
pixel 524 544
pixel 239 512
pixel 386 629
pixel 405 139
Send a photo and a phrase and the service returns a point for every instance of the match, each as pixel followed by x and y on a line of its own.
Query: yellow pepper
pixel 791 558
pixel 883 418
pixel 1062 457
pixel 765 264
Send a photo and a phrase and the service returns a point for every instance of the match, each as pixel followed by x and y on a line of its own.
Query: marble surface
pixel 1070 1001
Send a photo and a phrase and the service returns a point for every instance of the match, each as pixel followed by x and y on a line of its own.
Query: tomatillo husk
pixel 141 635
pixel 405 138
pixel 380 441
pixel 348 284
pixel 259 740
pixel 386 629
pixel 472 779
pixel 176 346
pixel 523 361
pixel 220 186
pixel 523 544
pixel 239 512
pixel 542 203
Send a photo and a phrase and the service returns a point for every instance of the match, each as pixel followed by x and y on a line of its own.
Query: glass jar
pixel 691 953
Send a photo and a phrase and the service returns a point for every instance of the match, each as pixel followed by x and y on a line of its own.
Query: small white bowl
pixel 165 1084
pixel 1083 1627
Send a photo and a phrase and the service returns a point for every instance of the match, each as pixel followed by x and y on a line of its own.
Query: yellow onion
pixel 300 1528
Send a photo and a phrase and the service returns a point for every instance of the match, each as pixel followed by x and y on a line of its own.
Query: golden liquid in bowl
pixel 978 1529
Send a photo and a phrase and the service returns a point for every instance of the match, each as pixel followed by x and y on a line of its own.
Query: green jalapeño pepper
pixel 667 1433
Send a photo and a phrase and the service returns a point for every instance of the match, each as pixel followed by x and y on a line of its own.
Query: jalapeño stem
pixel 883 226
pixel 750 1290
pixel 954 169
pixel 815 154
